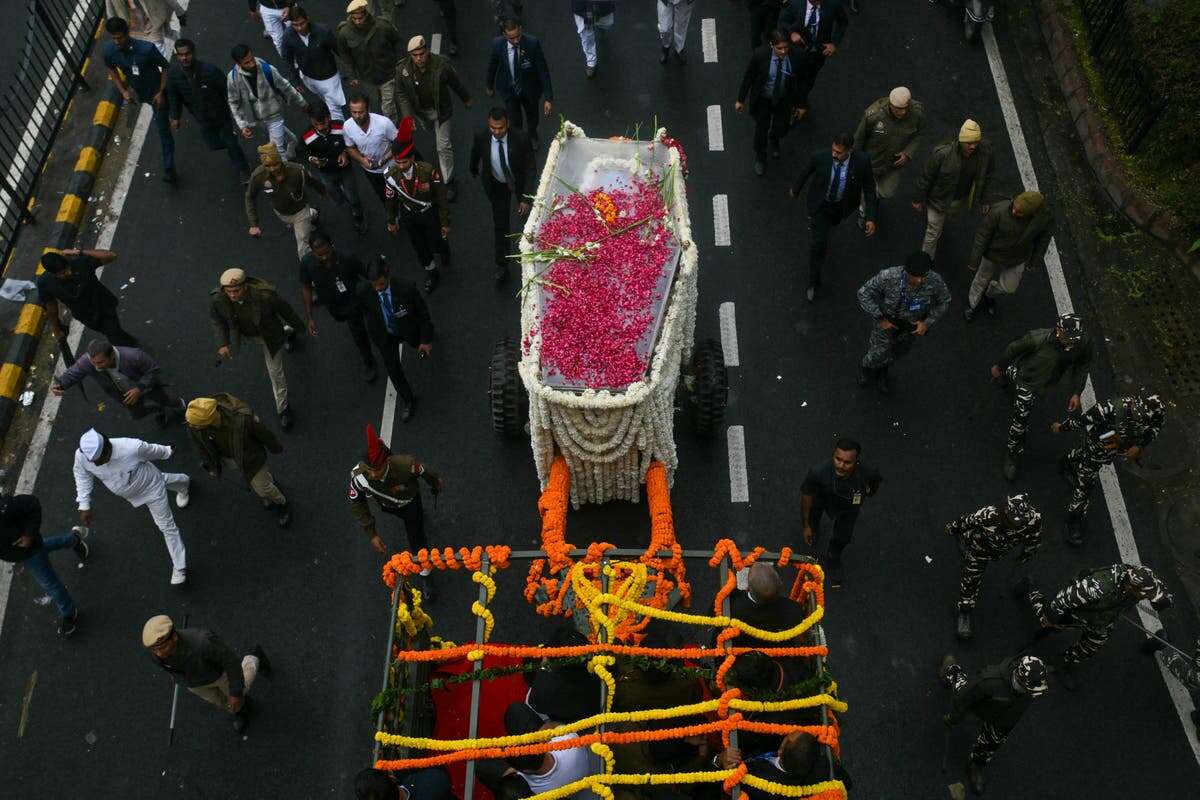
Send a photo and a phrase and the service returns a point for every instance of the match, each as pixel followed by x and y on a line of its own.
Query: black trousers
pixel 389 351
pixel 450 17
pixel 156 401
pixel 358 332
pixel 109 324
pixel 425 231
pixel 763 18
pixel 843 528
pixel 378 185
pixel 812 63
pixel 524 112
pixel 413 516
pixel 500 198
pixel 771 122
pixel 820 221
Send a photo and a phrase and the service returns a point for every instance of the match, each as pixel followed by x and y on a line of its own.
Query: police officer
pixel 903 302
pixel 1093 601
pixel 837 488
pixel 1036 362
pixel 392 479
pixel 986 535
pixel 1121 427
pixel 416 199
pixel 998 696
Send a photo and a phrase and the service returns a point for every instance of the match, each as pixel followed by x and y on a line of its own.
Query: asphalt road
pixel 96 725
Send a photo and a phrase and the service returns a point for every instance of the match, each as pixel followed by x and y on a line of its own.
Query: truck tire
pixel 506 393
pixel 710 389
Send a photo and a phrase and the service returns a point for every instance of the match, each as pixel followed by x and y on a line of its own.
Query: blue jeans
pixel 343 190
pixel 39 564
pixel 223 137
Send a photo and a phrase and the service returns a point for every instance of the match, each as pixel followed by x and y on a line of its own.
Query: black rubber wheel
pixel 710 388
pixel 506 393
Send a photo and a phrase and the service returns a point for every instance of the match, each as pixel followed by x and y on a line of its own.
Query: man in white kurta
pixel 123 465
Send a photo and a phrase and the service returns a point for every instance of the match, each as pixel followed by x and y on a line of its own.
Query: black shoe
pixel 1074 532
pixel 975 776
pixel 811 294
pixel 969 313
pixel 948 663
pixel 989 305
pixel 775 150
pixel 264 663
pixel 663 54
pixel 67 625
pixel 1011 463
pixel 881 382
pixel 833 572
pixel 963 631
pixel 285 419
pixel 431 280
pixel 760 168
pixel 160 419
pixel 82 551
pixel 864 375
pixel 285 515
pixel 244 178
pixel 360 225
pixel 370 373
pixel 453 49
pixel 451 192
pixel 590 72
pixel 409 409
pixel 289 337
pixel 681 56
pixel 170 176
pixel 242 718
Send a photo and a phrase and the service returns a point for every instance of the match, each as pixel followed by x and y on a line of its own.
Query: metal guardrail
pixel 1131 99
pixel 58 39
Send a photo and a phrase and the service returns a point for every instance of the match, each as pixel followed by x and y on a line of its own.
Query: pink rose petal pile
pixel 590 330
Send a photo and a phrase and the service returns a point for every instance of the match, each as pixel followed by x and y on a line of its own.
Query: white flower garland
pixel 609 440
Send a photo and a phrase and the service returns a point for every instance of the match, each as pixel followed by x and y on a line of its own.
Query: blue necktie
pixel 835 185
pixel 385 298
pixel 812 26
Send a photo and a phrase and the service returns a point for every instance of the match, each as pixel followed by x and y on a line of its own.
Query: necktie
pixel 508 178
pixel 512 68
pixel 777 86
pixel 835 185
pixel 389 315
pixel 813 21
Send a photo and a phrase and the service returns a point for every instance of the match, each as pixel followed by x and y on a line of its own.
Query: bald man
pixel 765 603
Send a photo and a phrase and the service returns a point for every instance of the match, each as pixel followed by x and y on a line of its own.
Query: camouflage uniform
pixel 985 536
pixel 992 698
pixel 1187 670
pixel 1094 601
pixel 1109 429
pixel 887 296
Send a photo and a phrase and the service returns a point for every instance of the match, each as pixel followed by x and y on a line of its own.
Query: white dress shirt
pixel 128 473
pixel 497 170
pixel 375 142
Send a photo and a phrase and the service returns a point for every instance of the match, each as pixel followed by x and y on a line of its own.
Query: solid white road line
pixel 389 407
pixel 739 482
pixel 1113 496
pixel 729 342
pixel 41 434
pixel 716 136
pixel 708 40
pixel 435 43
pixel 721 233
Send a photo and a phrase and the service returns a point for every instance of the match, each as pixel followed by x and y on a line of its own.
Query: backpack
pixel 268 73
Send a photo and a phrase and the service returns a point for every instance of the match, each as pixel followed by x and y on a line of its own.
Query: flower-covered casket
pixel 608 310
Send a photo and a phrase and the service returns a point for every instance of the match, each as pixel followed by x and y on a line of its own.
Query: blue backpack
pixel 269 74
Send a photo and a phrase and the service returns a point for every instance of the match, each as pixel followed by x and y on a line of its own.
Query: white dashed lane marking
pixel 721 234
pixel 708 40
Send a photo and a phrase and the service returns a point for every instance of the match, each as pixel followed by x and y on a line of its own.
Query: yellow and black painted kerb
pixel 62 236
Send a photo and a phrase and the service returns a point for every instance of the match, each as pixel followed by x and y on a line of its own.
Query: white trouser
pixel 329 90
pixel 160 511
pixel 587 35
pixel 274 24
pixel 673 19
pixel 283 139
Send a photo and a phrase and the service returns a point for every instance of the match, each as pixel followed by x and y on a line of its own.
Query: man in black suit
pixel 770 88
pixel 841 178
pixel 502 157
pixel 765 604
pixel 395 314
pixel 817 26
pixel 764 18
pixel 517 69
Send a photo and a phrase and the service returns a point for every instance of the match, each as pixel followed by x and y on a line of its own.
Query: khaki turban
pixel 201 412
pixel 1027 203
pixel 970 132
pixel 268 154
pixel 234 276
pixel 156 629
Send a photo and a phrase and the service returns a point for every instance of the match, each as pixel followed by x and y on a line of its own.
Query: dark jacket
pixel 261 306
pixel 201 91
pixel 238 435
pixel 833 21
pixel 595 8
pixel 939 176
pixel 860 182
pixel 1007 240
pixel 398 487
pixel 317 58
pixel 20 515
pixel 518 152
pixel 758 71
pixel 325 147
pixel 200 658
pixel 133 363
pixel 1042 362
pixel 780 615
pixel 412 314
pixel 370 54
pixel 442 76
pixel 990 696
pixel 533 74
